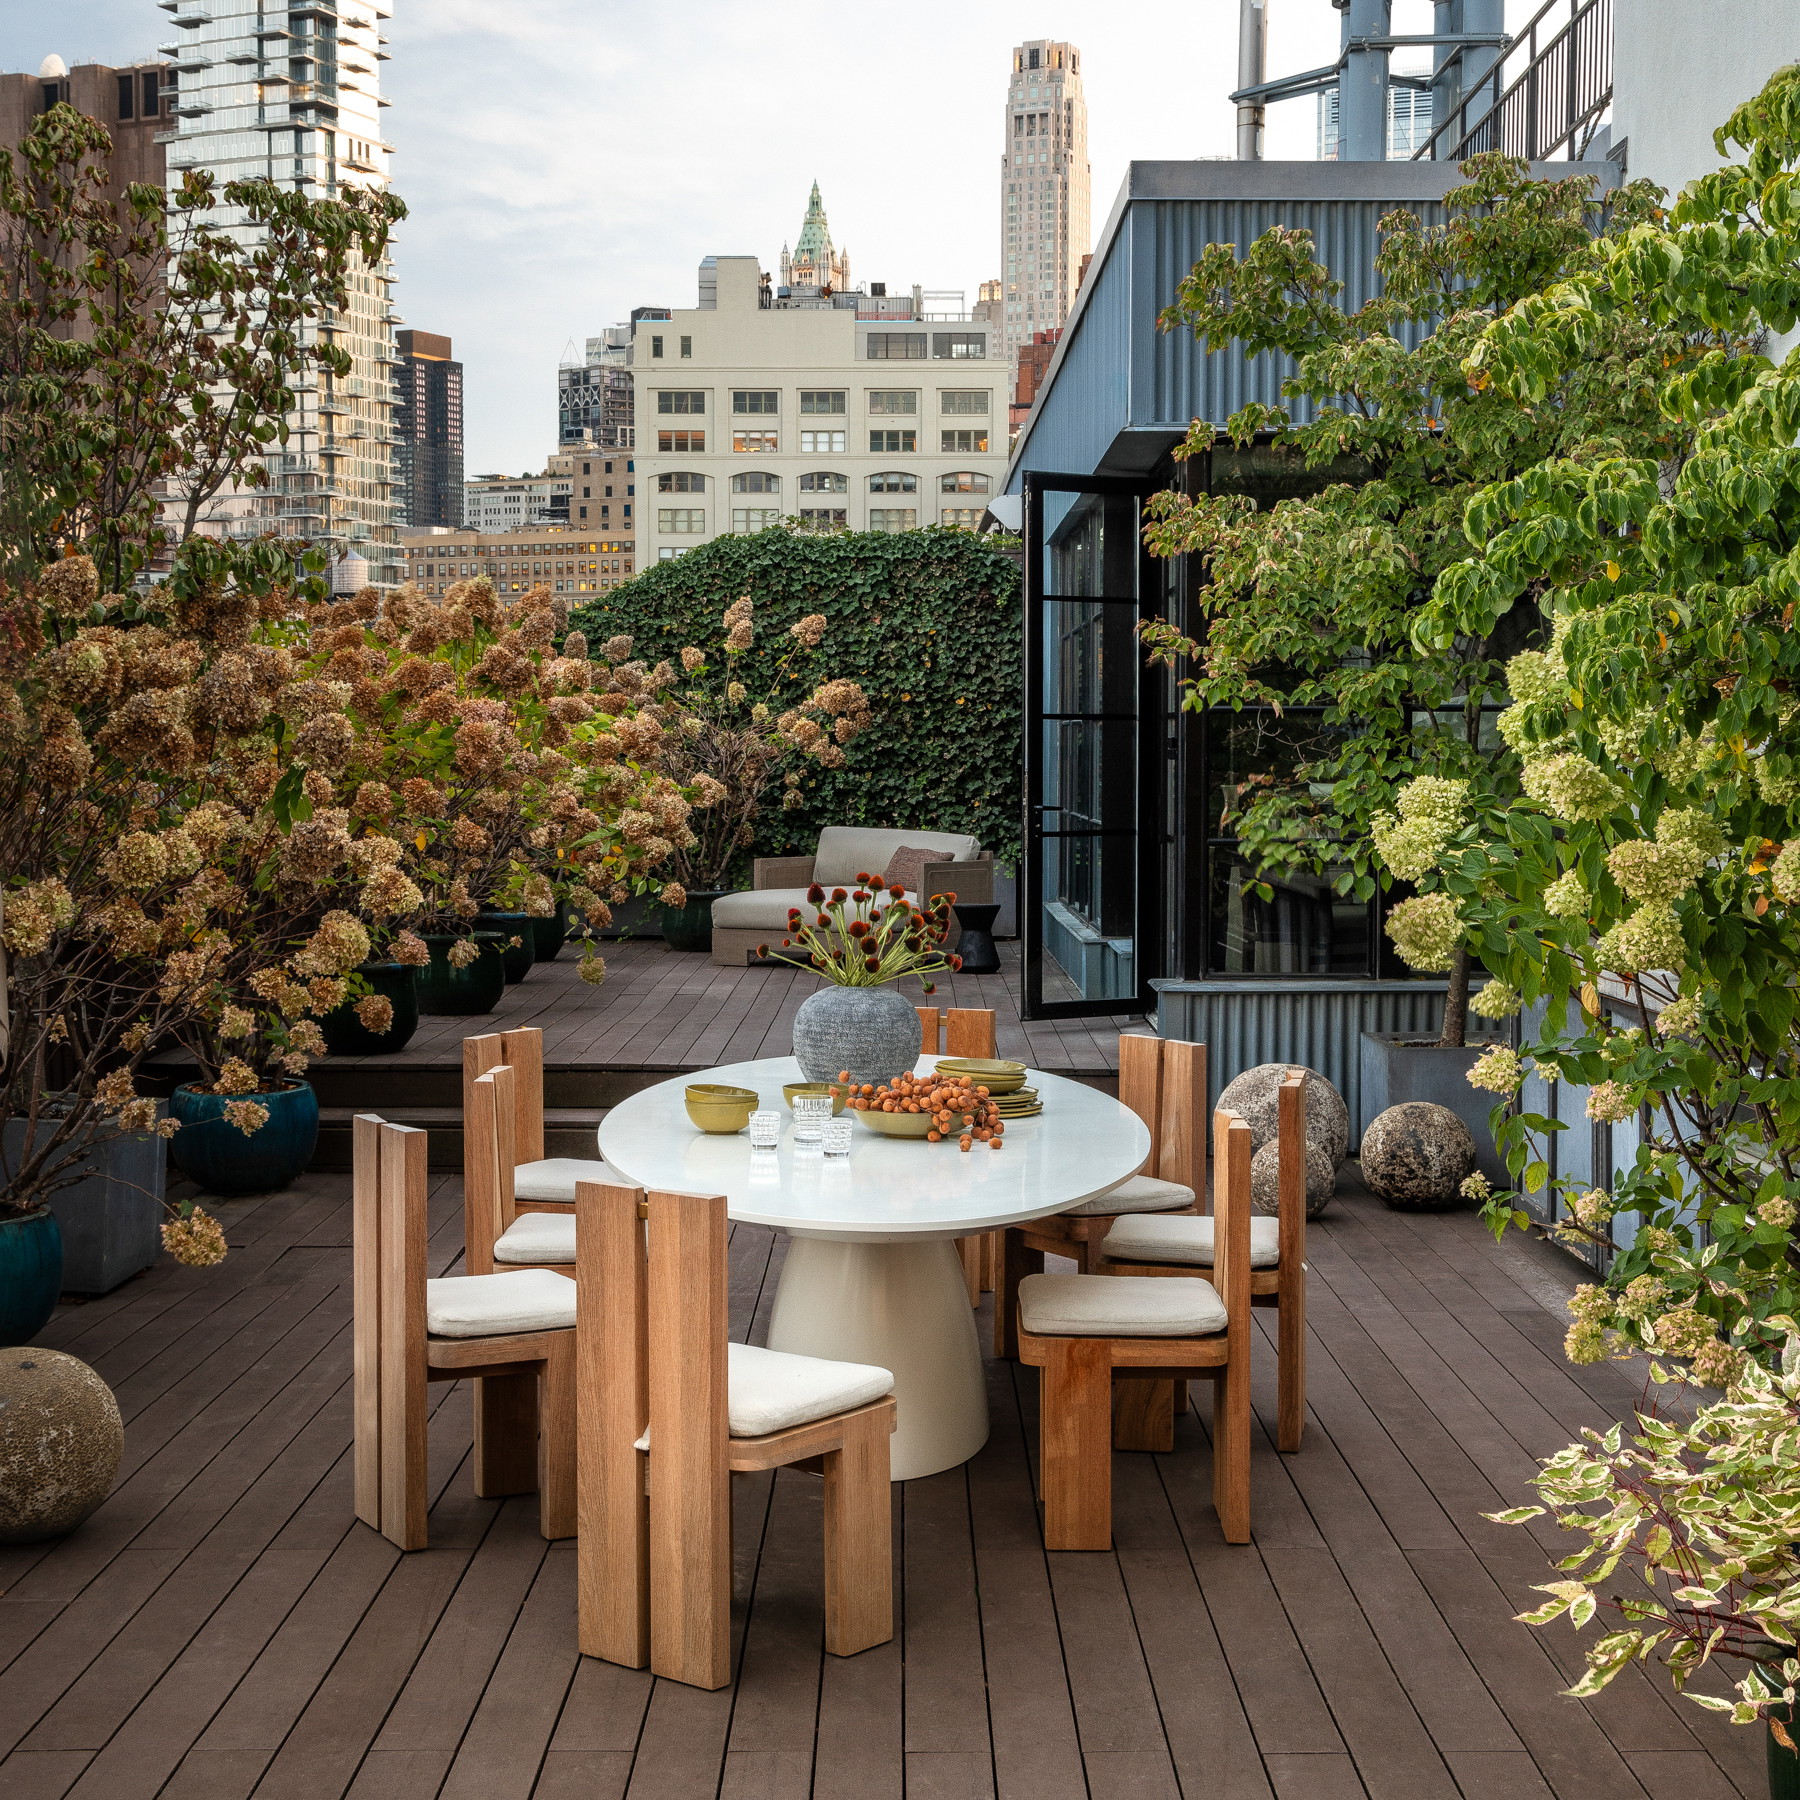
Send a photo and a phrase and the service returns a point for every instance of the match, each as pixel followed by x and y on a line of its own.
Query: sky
pixel 566 160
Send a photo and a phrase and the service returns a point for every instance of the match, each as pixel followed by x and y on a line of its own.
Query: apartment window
pixel 680 443
pixel 969 517
pixel 822 400
pixel 584 512
pixel 656 346
pixel 823 482
pixel 823 443
pixel 687 346
pixel 893 518
pixel 681 521
pixel 127 97
pixel 964 402
pixel 681 400
pixel 897 346
pixel 152 92
pixel 891 401
pixel 964 442
pixel 757 481
pixel 668 552
pixel 754 518
pixel 905 442
pixel 754 443
pixel 893 482
pixel 964 481
pixel 681 481
pixel 955 345
pixel 824 515
pixel 755 400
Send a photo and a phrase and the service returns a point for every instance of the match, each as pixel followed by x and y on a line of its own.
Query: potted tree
pixel 1386 748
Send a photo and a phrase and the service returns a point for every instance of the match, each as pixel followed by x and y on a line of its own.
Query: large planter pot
pixel 31 1264
pixel 516 960
pixel 111 1219
pixel 690 927
pixel 223 1160
pixel 1398 1069
pixel 447 991
pixel 549 935
pixel 347 1035
pixel 60 1444
pixel 871 1031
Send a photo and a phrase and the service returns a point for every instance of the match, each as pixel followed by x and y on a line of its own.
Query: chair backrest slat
pixel 931 1020
pixel 1140 1088
pixel 1231 1223
pixel 690 1495
pixel 488 1163
pixel 365 1265
pixel 970 1031
pixel 524 1047
pixel 1183 1134
pixel 1290 1128
pixel 401 1167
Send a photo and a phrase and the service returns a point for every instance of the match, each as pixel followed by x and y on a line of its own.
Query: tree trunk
pixel 1456 1002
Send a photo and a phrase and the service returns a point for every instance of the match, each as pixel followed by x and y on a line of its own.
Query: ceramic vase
pixel 347 1035
pixel 223 1160
pixel 871 1031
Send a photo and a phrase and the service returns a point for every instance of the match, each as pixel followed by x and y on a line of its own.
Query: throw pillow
pixel 906 868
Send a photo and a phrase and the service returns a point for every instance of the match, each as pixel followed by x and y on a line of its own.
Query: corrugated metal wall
pixel 1276 1019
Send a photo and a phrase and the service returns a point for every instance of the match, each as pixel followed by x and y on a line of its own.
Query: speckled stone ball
pixel 1254 1097
pixel 60 1443
pixel 1265 1179
pixel 1417 1155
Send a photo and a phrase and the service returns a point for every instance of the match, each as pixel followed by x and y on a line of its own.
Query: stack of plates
pixel 1021 1103
pixel 997 1077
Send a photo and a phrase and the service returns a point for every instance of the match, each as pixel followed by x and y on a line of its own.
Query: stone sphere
pixel 1265 1179
pixel 60 1443
pixel 1254 1097
pixel 1417 1155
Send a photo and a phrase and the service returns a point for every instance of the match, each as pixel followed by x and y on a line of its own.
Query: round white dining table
pixel 872 1275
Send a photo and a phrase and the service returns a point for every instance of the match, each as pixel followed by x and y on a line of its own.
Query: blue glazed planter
pixel 549 935
pixel 518 959
pixel 445 991
pixel 345 1033
pixel 31 1265
pixel 218 1156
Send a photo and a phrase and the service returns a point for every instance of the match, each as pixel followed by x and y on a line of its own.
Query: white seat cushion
pixel 1187 1238
pixel 846 851
pixel 1120 1306
pixel 555 1177
pixel 772 1390
pixel 766 909
pixel 1142 1193
pixel 537 1237
pixel 472 1306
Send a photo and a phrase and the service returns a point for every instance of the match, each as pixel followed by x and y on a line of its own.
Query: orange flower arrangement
pixel 868 936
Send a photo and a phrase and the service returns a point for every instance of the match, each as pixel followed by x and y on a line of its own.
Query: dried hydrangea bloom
pixel 249 1116
pixel 462 953
pixel 411 950
pixel 198 1240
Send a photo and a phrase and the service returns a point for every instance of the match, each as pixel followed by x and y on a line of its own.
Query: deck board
pixel 222 1627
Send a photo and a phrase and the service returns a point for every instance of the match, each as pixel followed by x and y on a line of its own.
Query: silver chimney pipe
pixel 1253 46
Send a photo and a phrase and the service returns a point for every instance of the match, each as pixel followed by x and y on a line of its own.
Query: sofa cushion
pixel 1187 1238
pixel 1120 1306
pixel 764 909
pixel 537 1237
pixel 473 1306
pixel 846 851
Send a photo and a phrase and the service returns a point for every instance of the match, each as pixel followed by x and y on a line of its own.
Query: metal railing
pixel 1558 94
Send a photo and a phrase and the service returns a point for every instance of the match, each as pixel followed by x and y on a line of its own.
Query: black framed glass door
pixel 1093 751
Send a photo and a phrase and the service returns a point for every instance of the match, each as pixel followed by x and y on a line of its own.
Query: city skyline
pixel 520 241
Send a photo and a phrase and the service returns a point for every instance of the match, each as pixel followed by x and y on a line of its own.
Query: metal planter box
pixel 111 1220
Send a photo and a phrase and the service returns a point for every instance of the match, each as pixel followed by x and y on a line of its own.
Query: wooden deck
pixel 223 1628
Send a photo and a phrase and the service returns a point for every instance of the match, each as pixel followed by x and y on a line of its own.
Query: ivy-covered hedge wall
pixel 927 621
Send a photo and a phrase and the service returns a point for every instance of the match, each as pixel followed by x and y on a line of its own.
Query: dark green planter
pixel 549 935
pixel 690 927
pixel 1784 1764
pixel 31 1266
pixel 447 991
pixel 218 1156
pixel 347 1035
pixel 517 960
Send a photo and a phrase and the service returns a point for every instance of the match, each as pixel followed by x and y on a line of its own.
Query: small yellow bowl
pixel 895 1124
pixel 719 1109
pixel 815 1087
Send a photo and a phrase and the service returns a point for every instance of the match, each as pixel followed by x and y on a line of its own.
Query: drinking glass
pixel 835 1134
pixel 765 1130
pixel 811 1113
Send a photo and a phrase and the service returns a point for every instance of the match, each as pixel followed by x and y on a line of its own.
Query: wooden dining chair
pixel 966 1031
pixel 670 1410
pixel 511 1190
pixel 1086 1331
pixel 1161 1244
pixel 1163 1081
pixel 512 1333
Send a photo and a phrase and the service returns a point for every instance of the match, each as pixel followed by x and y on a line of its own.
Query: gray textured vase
pixel 871 1031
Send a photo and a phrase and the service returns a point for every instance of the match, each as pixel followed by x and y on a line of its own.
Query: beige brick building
pixel 571 563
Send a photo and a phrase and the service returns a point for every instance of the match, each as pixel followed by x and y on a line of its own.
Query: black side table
pixel 976 946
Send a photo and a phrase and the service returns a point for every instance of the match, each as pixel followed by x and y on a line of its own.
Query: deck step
pixel 568 1131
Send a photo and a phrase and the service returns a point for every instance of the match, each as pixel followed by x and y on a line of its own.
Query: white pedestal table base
pixel 904 1307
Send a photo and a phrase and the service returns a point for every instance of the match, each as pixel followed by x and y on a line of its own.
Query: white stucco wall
pixel 1679 69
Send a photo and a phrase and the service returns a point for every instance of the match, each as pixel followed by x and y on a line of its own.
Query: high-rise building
pixel 1045 190
pixel 1409 121
pixel 428 415
pixel 130 102
pixel 294 94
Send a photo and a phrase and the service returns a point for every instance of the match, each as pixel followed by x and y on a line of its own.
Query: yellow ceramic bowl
pixel 815 1087
pixel 996 1077
pixel 895 1124
pixel 720 1109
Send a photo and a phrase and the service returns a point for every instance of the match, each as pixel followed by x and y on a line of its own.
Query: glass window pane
pixel 1305 928
pixel 1090 545
pixel 1089 914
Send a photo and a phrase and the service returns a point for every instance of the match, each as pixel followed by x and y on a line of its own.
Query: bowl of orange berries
pixel 933 1108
